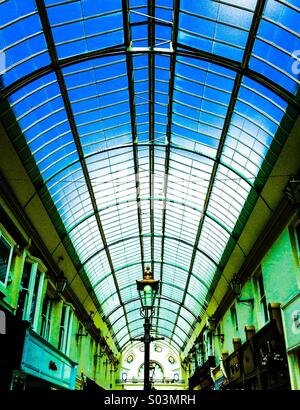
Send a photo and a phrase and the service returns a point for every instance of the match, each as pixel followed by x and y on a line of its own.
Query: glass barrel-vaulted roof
pixel 149 129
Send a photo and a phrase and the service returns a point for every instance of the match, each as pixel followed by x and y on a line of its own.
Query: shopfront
pixel 28 361
pixel 260 363
pixel 202 378
pixel 291 320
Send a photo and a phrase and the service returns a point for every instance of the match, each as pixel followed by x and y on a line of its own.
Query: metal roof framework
pixel 149 129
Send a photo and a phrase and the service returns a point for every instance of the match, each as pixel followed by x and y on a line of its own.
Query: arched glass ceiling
pixel 149 129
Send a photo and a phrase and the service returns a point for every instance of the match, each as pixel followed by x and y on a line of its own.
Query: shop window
pixel 35 297
pixel 24 292
pixel 201 349
pixel 65 331
pixel 210 344
pixel 30 293
pixel 297 238
pixel 234 320
pixel 262 298
pixel 62 328
pixel 6 252
pixel 297 231
pixel 46 318
pixel 219 335
pixel 294 231
pixel 202 353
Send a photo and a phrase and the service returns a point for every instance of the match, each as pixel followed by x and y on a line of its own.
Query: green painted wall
pixel 281 278
pixel 82 349
pixel 280 271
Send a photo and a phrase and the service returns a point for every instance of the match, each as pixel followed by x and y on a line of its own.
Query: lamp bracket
pixel 292 190
pixel 138 339
pixel 251 300
pixel 153 339
pixel 142 339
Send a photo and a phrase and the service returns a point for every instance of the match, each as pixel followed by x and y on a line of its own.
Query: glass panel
pixel 22 42
pixel 213 239
pixel 87 238
pixel 81 27
pixel 204 268
pixel 216 27
pixel 168 273
pixel 201 95
pixel 98 268
pixel 228 197
pixel 83 157
pixel 120 324
pixel 171 292
pixel 182 324
pixel 193 305
pixel 98 92
pixel 40 112
pixel 276 48
pixel 254 128
pixel 125 252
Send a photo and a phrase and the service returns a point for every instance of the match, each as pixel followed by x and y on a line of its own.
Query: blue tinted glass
pixel 139 137
pixel 215 27
pixel 22 42
pixel 275 50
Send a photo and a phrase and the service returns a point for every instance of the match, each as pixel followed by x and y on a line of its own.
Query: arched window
pixel 156 371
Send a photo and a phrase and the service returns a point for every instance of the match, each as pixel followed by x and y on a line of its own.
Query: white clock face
pixel 157 373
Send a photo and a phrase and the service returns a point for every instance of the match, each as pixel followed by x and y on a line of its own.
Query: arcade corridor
pixel 152 146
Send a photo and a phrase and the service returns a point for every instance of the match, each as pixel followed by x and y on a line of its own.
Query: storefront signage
pixel 291 318
pixel 248 360
pixel 234 367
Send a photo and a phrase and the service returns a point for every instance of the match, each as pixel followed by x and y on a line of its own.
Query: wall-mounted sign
pixel 249 365
pixel 291 319
pixel 234 367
